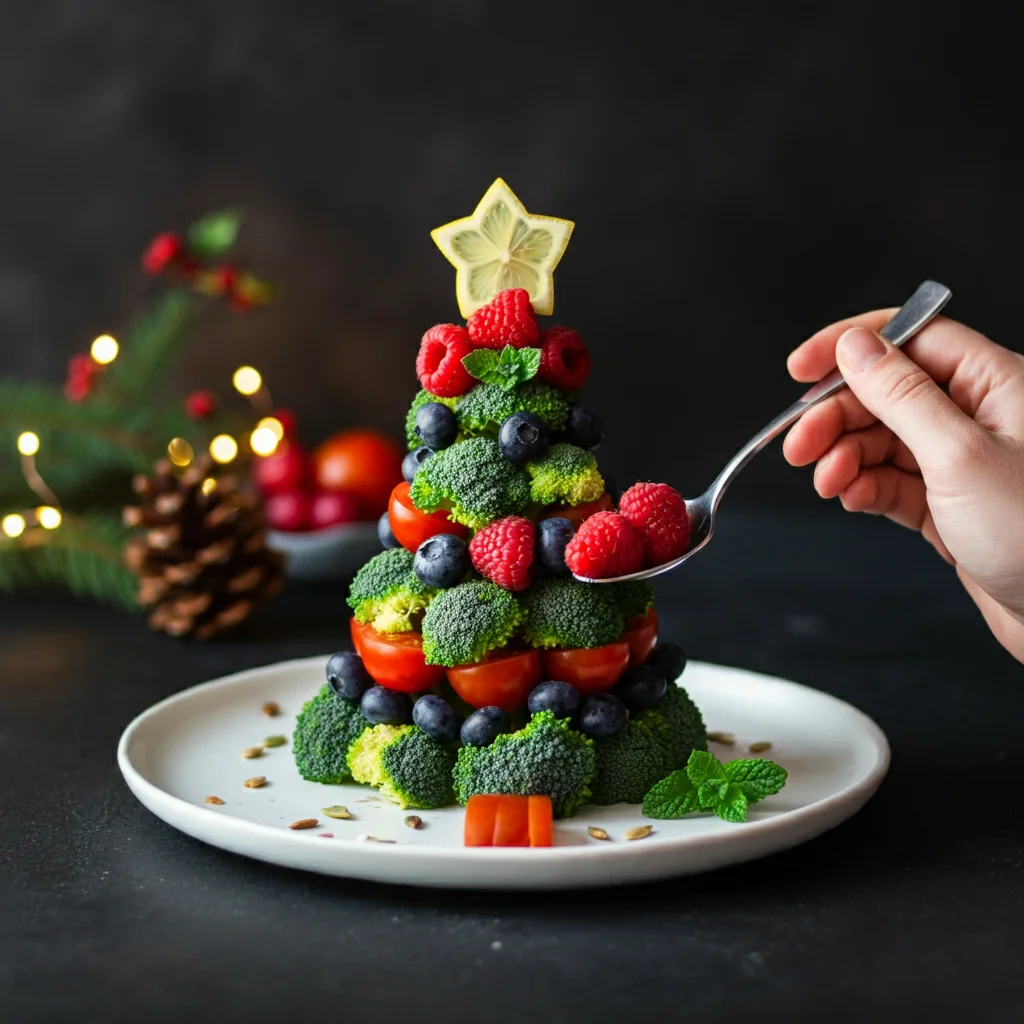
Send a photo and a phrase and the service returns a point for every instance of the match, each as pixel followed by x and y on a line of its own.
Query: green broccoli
pixel 474 481
pixel 547 756
pixel 418 402
pixel 678 721
pixel 562 612
pixel 465 622
pixel 566 474
pixel 633 599
pixel 411 769
pixel 326 726
pixel 629 764
pixel 483 409
pixel 387 594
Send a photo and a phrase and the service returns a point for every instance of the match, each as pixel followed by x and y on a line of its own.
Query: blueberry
pixel 385 707
pixel 584 428
pixel 384 532
pixel 561 698
pixel 441 560
pixel 669 660
pixel 552 536
pixel 412 462
pixel 522 437
pixel 601 715
pixel 641 687
pixel 436 717
pixel 347 675
pixel 436 426
pixel 482 727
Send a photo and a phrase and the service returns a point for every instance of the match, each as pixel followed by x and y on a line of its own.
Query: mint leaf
pixel 673 797
pixel 712 792
pixel 481 363
pixel 215 233
pixel 756 778
pixel 733 806
pixel 703 766
pixel 529 359
pixel 514 366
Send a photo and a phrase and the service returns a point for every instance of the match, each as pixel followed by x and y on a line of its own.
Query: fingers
pixel 817 355
pixel 817 430
pixel 888 491
pixel 852 453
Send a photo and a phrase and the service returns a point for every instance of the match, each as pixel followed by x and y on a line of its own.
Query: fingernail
pixel 858 349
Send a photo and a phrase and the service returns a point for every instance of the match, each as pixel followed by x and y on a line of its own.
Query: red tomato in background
pixel 577 513
pixel 362 462
pixel 642 636
pixel 590 670
pixel 395 660
pixel 412 527
pixel 503 679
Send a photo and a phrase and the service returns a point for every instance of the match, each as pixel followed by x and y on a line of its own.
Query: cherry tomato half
pixel 412 527
pixel 642 636
pixel 503 679
pixel 590 670
pixel 395 660
pixel 577 513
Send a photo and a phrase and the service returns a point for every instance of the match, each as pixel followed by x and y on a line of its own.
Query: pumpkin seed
pixel 250 752
pixel 725 738
pixel 757 748
pixel 640 832
pixel 336 811
pixel 275 741
pixel 414 821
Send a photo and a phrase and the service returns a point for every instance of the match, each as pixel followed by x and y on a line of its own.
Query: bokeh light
pixel 247 380
pixel 13 525
pixel 48 517
pixel 223 448
pixel 104 349
pixel 180 452
pixel 28 443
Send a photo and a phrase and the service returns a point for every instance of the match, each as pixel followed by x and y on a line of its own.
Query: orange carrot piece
pixel 541 826
pixel 512 823
pixel 480 813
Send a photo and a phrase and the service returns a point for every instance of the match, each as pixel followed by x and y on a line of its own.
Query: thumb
pixel 904 397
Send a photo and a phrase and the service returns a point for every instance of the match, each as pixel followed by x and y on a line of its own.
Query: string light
pixel 223 448
pixel 272 423
pixel 180 452
pixel 104 349
pixel 28 443
pixel 208 486
pixel 48 517
pixel 247 380
pixel 263 441
pixel 13 525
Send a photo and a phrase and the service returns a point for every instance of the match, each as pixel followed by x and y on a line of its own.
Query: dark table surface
pixel 913 907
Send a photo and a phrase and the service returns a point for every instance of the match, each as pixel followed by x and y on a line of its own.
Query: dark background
pixel 739 175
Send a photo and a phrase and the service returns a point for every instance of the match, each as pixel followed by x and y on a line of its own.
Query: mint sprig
pixel 508 368
pixel 707 784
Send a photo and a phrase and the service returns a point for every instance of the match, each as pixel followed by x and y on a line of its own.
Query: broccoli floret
pixel 325 728
pixel 474 481
pixel 629 764
pixel 411 769
pixel 387 594
pixel 465 622
pixel 483 409
pixel 633 598
pixel 562 612
pixel 546 756
pixel 678 721
pixel 566 474
pixel 418 402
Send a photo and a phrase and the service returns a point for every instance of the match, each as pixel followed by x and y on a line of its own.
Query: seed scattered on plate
pixel 336 811
pixel 255 782
pixel 760 747
pixel 640 832
pixel 271 709
pixel 250 752
pixel 725 738
pixel 597 833
pixel 414 821
pixel 304 823
pixel 275 741
pixel 326 835
pixel 214 800
pixel 373 839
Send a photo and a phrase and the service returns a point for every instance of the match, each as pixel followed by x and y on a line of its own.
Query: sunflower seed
pixel 414 821
pixel 373 839
pixel 275 741
pixel 250 752
pixel 757 748
pixel 255 782
pixel 725 738
pixel 640 832
pixel 336 811
pixel 271 708
pixel 214 800
pixel 597 833
pixel 304 823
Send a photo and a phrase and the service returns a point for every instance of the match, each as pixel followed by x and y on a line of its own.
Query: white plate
pixel 189 747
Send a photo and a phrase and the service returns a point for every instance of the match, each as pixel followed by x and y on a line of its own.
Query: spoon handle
pixel 922 307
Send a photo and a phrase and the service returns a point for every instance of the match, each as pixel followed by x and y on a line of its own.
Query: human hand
pixel 931 436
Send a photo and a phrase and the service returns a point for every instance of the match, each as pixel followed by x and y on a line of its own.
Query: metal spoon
pixel 914 314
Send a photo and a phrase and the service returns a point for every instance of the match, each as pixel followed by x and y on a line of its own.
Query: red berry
pixel 199 405
pixel 506 320
pixel 161 252
pixel 333 507
pixel 564 359
pixel 288 423
pixel 439 363
pixel 288 511
pixel 503 552
pixel 223 278
pixel 284 471
pixel 76 389
pixel 658 512
pixel 605 545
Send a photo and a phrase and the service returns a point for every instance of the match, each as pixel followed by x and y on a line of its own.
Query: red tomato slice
pixel 577 513
pixel 480 814
pixel 412 527
pixel 512 822
pixel 541 825
pixel 395 660
pixel 503 679
pixel 642 636
pixel 590 670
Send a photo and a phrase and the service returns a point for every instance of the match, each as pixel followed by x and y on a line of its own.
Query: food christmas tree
pixel 481 665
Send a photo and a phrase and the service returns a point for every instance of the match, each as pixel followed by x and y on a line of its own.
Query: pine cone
pixel 202 560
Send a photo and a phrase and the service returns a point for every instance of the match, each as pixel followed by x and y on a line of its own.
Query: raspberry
pixel 503 552
pixel 605 545
pixel 506 320
pixel 439 363
pixel 161 252
pixel 564 359
pixel 659 513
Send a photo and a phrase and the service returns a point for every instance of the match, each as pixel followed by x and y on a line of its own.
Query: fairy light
pixel 48 517
pixel 180 452
pixel 223 448
pixel 273 424
pixel 13 525
pixel 263 441
pixel 247 380
pixel 208 486
pixel 28 443
pixel 104 349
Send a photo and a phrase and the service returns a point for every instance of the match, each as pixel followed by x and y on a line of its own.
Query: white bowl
pixel 332 553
